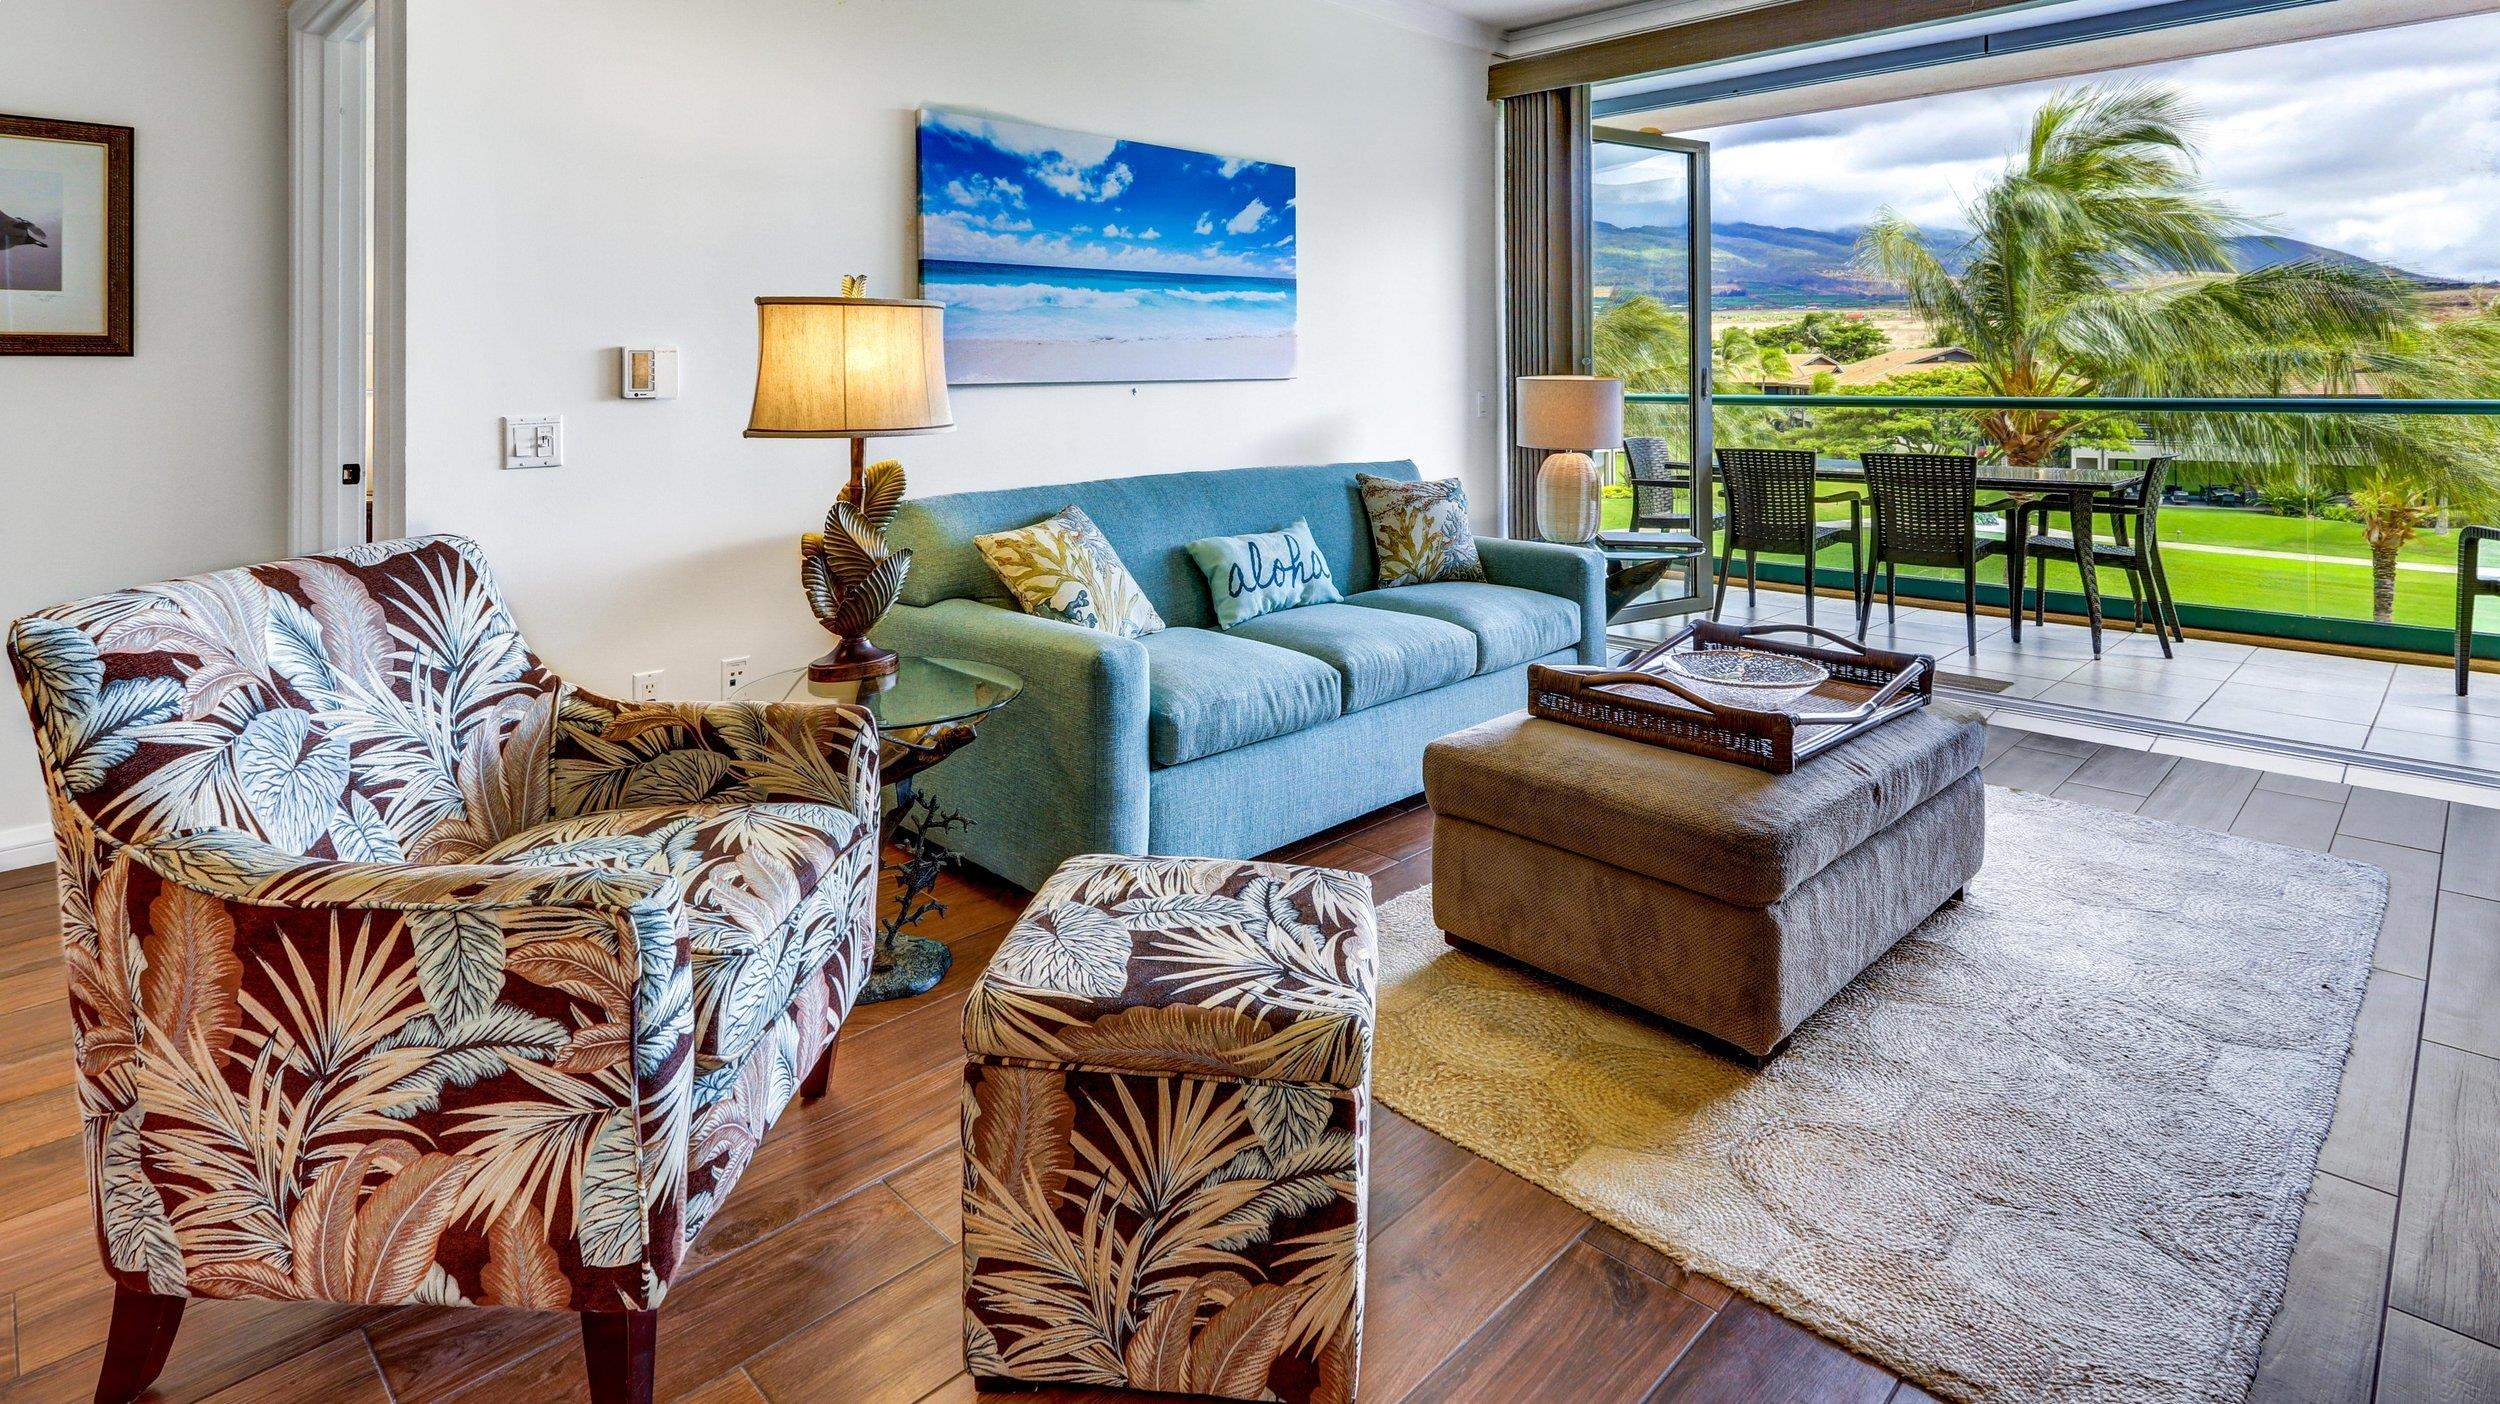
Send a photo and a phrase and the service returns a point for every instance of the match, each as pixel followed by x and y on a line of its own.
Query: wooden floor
pixel 831 1274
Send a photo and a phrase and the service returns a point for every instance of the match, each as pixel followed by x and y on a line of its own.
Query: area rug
pixel 2053 1147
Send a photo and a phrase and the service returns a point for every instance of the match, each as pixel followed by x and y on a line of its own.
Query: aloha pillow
pixel 1062 568
pixel 1419 530
pixel 1248 576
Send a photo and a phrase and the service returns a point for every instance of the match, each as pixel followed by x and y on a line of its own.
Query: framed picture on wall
pixel 65 238
pixel 1064 256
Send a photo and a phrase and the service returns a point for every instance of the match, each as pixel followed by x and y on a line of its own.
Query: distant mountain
pixel 1765 265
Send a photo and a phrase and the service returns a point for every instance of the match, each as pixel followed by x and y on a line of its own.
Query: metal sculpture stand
pixel 909 965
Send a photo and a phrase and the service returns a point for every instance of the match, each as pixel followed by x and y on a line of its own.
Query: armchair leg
pixel 619 1347
pixel 820 1078
pixel 142 1336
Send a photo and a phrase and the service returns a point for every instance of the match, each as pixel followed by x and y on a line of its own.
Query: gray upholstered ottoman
pixel 1730 900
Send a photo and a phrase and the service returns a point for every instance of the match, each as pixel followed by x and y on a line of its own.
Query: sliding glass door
pixel 1649 245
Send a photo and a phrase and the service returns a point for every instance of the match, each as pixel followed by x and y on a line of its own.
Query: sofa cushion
pixel 1744 836
pixel 1381 654
pixel 1146 519
pixel 765 904
pixel 1207 693
pixel 1511 625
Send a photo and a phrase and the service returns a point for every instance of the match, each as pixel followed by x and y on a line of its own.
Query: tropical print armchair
pixel 402 971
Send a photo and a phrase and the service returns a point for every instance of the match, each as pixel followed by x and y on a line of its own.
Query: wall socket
pixel 733 674
pixel 647 686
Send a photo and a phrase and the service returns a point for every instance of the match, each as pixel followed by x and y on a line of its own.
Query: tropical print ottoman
pixel 1166 1109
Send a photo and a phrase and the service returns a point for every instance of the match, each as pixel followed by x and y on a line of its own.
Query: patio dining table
pixel 2078 486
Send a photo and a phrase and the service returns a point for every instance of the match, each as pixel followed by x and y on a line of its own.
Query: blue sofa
pixel 1219 743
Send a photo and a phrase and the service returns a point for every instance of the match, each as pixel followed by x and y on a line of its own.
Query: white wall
pixel 587 173
pixel 123 471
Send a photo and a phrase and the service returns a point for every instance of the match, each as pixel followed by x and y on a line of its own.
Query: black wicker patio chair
pixel 1656 480
pixel 1927 514
pixel 1771 502
pixel 2134 547
pixel 2472 581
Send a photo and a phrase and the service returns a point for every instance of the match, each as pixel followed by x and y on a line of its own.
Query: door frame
pixel 346 188
pixel 1697 350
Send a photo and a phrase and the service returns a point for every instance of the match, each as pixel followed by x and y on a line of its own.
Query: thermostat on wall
pixel 647 372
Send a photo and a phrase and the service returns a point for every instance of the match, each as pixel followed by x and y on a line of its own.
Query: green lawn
pixel 2335 587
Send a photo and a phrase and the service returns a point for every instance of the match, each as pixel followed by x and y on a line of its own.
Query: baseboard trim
pixel 26 846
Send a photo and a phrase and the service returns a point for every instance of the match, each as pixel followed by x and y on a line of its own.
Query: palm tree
pixel 2099 264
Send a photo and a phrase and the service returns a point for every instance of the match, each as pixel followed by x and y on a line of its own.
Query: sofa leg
pixel 619 1348
pixel 820 1078
pixel 142 1336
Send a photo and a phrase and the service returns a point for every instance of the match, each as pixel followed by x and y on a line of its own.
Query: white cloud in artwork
pixel 1251 217
pixel 1205 224
pixel 1074 181
pixel 952 234
pixel 985 190
pixel 1113 231
pixel 1231 166
pixel 1150 234
pixel 1038 144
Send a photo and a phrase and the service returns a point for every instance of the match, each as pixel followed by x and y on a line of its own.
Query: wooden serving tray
pixel 1867 688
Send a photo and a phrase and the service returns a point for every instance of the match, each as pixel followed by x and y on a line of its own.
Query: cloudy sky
pixel 996 191
pixel 2386 144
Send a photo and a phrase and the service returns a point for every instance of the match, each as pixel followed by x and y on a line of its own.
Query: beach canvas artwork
pixel 1063 256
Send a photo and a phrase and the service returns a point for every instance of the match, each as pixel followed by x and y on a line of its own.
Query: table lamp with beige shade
pixel 1577 415
pixel 855 368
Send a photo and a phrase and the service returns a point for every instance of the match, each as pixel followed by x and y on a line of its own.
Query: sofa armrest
pixel 426 1025
pixel 1572 572
pixel 1060 770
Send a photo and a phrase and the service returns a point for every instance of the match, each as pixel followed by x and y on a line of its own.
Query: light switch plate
pixel 533 441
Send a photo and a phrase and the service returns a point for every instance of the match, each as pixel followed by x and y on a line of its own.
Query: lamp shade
pixel 848 368
pixel 1569 412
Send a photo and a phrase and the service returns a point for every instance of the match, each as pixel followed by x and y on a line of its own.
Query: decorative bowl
pixel 1745 677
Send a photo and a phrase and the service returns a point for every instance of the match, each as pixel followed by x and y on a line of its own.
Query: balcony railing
pixel 2252 549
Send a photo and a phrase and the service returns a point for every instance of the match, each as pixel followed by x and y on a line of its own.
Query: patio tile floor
pixel 2401 711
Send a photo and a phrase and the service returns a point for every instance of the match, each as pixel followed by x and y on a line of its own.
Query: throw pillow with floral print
pixel 1419 530
pixel 1063 568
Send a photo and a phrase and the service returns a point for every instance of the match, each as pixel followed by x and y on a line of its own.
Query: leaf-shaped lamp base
pixel 853 660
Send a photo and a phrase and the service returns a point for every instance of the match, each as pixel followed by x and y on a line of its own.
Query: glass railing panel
pixel 2310 546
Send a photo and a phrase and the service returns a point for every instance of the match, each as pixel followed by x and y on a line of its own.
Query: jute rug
pixel 2053 1147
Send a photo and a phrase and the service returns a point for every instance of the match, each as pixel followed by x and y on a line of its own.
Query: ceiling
pixel 1519 14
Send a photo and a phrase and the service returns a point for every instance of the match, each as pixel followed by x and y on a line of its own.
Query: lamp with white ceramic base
pixel 1576 415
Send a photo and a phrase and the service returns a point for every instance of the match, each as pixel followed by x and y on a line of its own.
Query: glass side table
pixel 926 710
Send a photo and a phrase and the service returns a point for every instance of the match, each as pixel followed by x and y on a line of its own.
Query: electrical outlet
pixel 733 674
pixel 647 686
